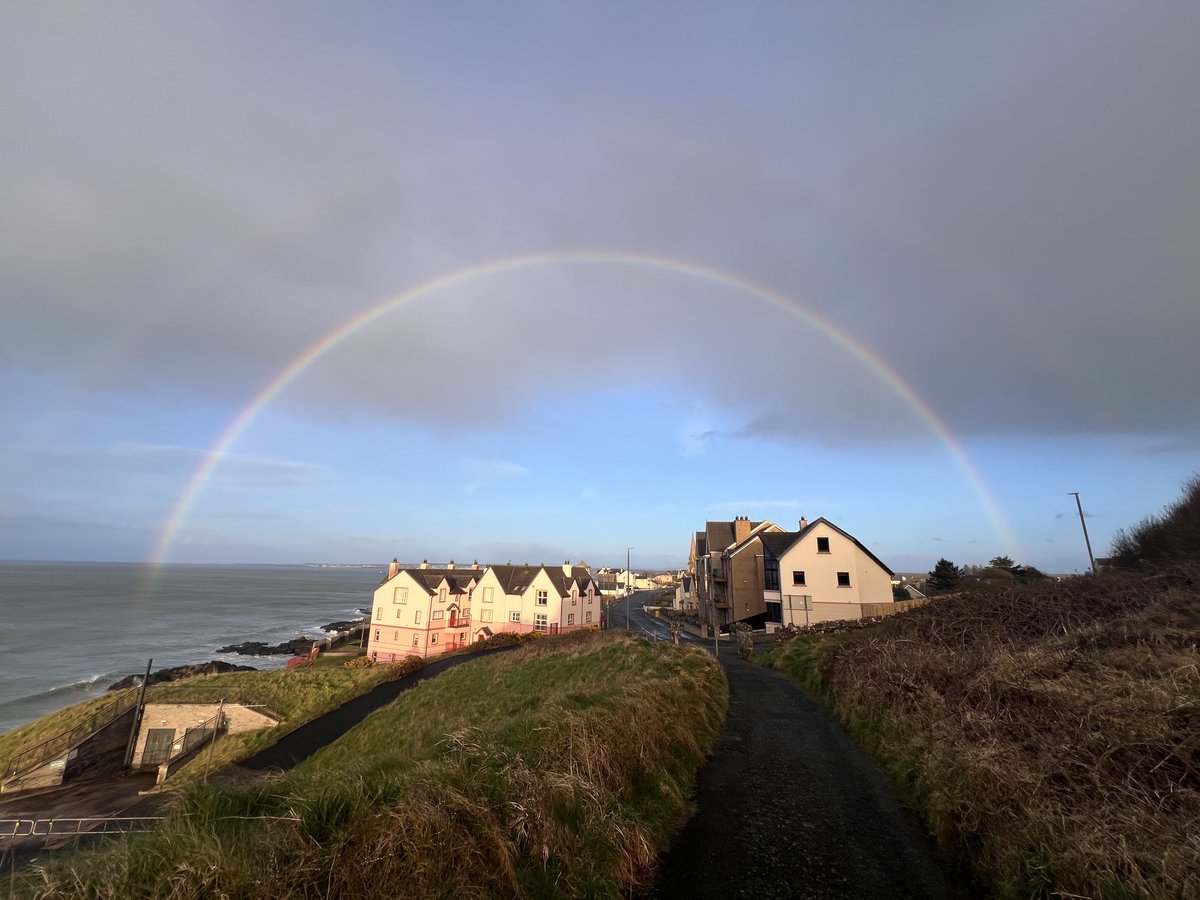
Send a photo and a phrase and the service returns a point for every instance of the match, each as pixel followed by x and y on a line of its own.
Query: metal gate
pixel 158 746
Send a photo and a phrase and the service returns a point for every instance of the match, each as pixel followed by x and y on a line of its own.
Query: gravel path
pixel 790 807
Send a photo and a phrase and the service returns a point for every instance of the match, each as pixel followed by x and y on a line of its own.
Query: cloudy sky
pixel 921 269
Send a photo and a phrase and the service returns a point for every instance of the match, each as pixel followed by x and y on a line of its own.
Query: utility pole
pixel 1086 539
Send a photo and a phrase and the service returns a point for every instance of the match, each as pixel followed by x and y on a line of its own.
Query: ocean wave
pixel 91 685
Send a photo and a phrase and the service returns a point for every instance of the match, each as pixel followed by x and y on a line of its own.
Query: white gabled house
pixel 820 573
pixel 426 611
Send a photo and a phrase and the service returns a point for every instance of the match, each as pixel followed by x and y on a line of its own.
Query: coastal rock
pixel 295 647
pixel 343 626
pixel 216 667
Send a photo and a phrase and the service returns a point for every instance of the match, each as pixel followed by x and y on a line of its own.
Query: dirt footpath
pixel 790 807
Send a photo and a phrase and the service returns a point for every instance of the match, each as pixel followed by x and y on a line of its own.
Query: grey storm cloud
pixel 1001 205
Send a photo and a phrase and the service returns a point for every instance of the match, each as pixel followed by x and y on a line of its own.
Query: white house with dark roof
pixel 820 573
pixel 426 611
pixel 422 611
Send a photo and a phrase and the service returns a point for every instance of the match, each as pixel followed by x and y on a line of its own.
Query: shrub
pixel 359 662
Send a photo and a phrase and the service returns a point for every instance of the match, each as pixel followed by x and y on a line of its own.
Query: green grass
pixel 296 696
pixel 553 770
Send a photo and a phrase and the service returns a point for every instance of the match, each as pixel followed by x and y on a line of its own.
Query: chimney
pixel 567 568
pixel 741 529
pixel 393 567
pixel 803 523
pixel 450 565
pixel 475 565
pixel 424 564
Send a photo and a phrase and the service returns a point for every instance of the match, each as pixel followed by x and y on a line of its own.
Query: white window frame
pixel 541 620
pixel 400 595
pixel 487 594
pixel 485 615
pixel 417 618
pixel 543 598
pixel 515 616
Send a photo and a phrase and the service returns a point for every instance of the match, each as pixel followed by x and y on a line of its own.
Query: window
pixel 437 614
pixel 574 596
pixel 400 595
pixel 843 579
pixel 376 634
pixel 441 595
pixel 487 594
pixel 395 635
pixel 822 545
pixel 514 616
pixel 587 617
pixel 433 640
pixel 798 576
pixel 542 598
pixel 417 618
pixel 374 656
pixel 378 613
pixel 570 618
pixel 485 616
pixel 770 573
pixel 415 639
pixel 539 620
pixel 397 614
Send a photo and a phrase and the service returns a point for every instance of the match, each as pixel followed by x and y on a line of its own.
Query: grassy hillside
pixel 295 695
pixel 553 770
pixel 1050 734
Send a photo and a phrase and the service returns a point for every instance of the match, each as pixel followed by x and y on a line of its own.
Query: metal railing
pixel 64 740
pixel 12 829
pixel 198 734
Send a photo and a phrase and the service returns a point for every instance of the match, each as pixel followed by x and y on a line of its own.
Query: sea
pixel 69 630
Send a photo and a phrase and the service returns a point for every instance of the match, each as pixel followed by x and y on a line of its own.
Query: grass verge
pixel 553 770
pixel 1050 735
pixel 296 696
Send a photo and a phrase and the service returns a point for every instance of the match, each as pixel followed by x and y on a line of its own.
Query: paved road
pixel 641 622
pixel 790 807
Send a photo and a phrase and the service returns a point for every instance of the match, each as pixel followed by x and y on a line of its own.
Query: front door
pixel 158 746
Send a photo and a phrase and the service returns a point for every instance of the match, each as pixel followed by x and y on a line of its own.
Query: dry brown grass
pixel 1050 734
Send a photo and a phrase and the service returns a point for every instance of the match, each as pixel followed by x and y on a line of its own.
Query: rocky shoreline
pixel 299 646
pixel 215 667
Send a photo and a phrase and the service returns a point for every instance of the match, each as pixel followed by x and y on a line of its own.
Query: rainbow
pixel 243 420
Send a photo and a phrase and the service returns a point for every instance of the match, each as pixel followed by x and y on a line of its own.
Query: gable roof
pixel 562 581
pixel 457 580
pixel 515 579
pixel 797 536
pixel 757 530
pixel 777 542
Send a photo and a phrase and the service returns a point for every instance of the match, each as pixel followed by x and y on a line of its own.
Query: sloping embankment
pixel 1050 735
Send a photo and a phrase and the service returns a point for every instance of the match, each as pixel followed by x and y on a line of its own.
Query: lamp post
pixel 1086 539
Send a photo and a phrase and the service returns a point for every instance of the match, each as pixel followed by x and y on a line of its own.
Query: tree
pixel 1002 562
pixel 945 576
pixel 1172 535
